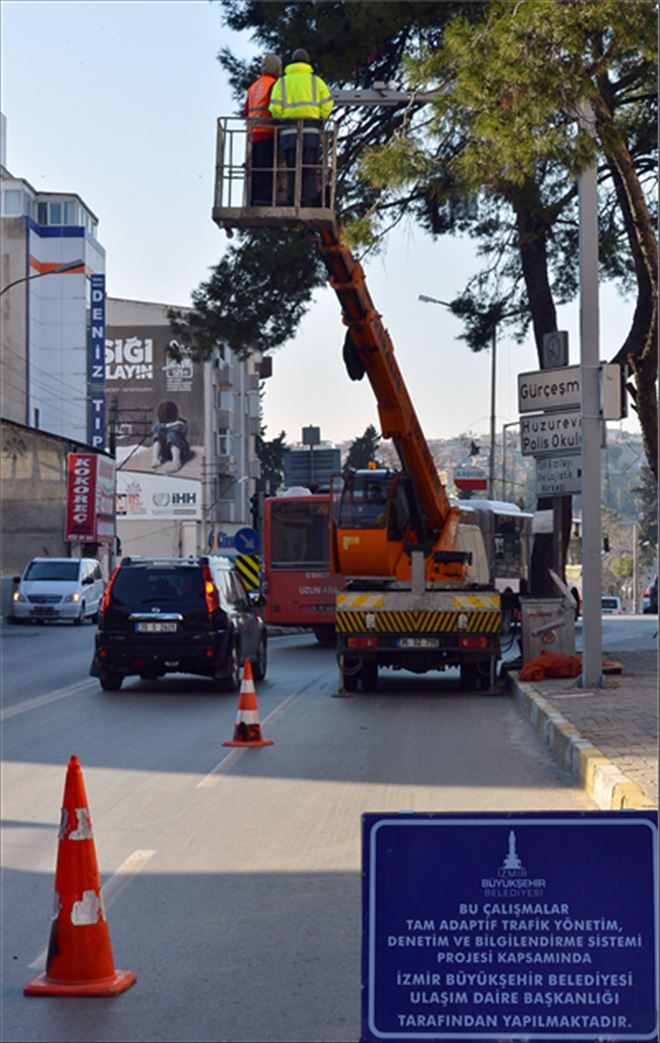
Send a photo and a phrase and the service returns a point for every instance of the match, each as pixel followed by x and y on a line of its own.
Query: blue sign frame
pixel 247 541
pixel 510 927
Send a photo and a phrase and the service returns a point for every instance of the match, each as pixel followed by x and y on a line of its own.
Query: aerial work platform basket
pixel 288 184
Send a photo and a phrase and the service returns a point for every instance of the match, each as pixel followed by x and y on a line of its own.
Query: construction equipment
pixel 419 591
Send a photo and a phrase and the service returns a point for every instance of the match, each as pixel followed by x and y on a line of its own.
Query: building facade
pixel 184 435
pixel 50 365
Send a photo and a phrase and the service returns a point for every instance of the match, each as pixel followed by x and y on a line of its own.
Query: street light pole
pixel 491 456
pixel 513 423
pixel 67 266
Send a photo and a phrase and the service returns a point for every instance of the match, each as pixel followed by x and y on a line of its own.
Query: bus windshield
pixel 299 535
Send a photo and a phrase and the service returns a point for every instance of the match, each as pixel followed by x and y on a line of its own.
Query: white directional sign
pixel 556 433
pixel 558 475
pixel 549 389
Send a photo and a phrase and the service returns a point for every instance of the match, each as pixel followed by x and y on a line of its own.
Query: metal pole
pixel 592 636
pixel 491 459
pixel 504 462
pixel 635 589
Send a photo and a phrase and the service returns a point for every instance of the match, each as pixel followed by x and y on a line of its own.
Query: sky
pixel 118 103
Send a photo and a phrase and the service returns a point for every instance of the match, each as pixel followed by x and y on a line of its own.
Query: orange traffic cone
pixel 247 730
pixel 79 961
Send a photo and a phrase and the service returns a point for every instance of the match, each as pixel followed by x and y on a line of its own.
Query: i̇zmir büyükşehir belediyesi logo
pixel 512 880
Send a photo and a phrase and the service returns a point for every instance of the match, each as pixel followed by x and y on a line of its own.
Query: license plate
pixel 418 642
pixel 155 628
pixel 43 610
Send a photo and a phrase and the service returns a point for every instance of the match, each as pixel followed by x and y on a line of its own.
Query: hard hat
pixel 272 64
pixel 300 55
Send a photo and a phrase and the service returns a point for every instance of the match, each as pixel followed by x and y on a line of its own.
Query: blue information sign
pixel 510 927
pixel 247 541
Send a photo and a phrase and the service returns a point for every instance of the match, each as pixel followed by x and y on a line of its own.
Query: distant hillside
pixel 621 462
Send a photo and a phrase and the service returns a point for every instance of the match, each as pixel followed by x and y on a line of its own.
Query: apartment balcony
pixel 225 419
pixel 252 382
pixel 226 464
pixel 253 425
pixel 226 511
pixel 254 469
pixel 225 374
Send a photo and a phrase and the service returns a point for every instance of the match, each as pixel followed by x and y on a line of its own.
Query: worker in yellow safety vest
pixel 301 95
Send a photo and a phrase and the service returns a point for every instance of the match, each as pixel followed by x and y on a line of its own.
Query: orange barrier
pixel 79 961
pixel 247 730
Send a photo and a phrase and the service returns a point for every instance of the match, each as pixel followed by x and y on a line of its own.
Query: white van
pixel 610 605
pixel 58 588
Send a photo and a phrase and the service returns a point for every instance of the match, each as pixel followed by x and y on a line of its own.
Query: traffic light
pixel 255 509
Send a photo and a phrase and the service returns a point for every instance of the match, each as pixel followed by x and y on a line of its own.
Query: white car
pixel 610 605
pixel 58 588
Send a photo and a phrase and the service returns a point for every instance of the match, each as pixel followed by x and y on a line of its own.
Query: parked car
pixel 178 615
pixel 58 588
pixel 610 605
pixel 650 597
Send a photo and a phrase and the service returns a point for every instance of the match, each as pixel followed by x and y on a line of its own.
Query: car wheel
pixel 94 617
pixel 80 618
pixel 232 682
pixel 261 662
pixel 369 676
pixel 111 682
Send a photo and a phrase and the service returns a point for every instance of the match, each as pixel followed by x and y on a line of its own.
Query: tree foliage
pixel 364 450
pixel 270 453
pixel 509 129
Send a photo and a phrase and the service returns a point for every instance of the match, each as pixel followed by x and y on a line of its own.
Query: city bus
pixel 299 588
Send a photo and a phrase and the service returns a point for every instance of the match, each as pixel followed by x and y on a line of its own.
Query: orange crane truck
pixel 418 591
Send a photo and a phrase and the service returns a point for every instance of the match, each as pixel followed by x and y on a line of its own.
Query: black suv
pixel 178 615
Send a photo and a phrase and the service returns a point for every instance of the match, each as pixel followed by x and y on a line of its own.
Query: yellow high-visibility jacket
pixel 300 94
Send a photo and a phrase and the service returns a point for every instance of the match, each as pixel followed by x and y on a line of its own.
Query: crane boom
pixel 374 349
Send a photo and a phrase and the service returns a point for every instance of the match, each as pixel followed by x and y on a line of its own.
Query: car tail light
pixel 105 600
pixel 362 642
pixel 210 590
pixel 473 642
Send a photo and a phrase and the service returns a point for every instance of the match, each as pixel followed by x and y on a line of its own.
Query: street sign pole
pixel 592 637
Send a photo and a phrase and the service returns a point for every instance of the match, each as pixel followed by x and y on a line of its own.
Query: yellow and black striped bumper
pixel 464 614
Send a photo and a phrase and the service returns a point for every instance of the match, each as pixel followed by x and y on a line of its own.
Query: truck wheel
pixel 469 677
pixel 369 676
pixel 350 675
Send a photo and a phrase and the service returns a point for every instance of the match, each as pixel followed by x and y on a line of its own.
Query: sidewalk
pixel 606 737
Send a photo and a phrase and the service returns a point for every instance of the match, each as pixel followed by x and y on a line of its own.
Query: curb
pixel 605 783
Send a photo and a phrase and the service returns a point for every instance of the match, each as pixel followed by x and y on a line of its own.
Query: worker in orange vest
pixel 260 131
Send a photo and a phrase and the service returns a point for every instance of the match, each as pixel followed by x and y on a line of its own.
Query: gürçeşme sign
pixel 516 927
pixel 549 389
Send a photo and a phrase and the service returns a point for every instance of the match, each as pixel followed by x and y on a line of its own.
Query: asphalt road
pixel 231 877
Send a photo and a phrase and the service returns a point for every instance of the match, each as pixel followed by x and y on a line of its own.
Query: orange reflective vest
pixel 256 107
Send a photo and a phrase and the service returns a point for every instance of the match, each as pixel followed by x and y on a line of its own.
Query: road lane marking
pixel 43 700
pixel 110 891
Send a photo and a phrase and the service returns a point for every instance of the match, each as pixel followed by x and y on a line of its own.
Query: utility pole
pixel 635 587
pixel 493 380
pixel 592 630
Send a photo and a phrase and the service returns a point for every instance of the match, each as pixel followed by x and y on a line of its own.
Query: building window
pixel 42 213
pixel 70 215
pixel 13 202
pixel 55 214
